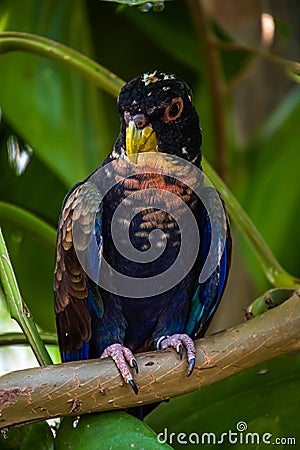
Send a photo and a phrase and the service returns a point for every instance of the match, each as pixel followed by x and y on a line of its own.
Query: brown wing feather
pixel 70 286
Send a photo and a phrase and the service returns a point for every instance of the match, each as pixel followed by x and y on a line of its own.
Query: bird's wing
pixel 208 294
pixel 78 248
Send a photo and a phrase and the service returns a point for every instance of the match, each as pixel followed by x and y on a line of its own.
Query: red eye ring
pixel 173 110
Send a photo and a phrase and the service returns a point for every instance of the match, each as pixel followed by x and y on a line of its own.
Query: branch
pixel 39 45
pixel 17 307
pixel 292 67
pixel 215 83
pixel 273 271
pixel 83 387
pixel 15 338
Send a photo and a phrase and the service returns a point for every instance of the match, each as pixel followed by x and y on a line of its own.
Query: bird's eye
pixel 173 110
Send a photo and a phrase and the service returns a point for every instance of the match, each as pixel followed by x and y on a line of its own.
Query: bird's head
pixel 157 114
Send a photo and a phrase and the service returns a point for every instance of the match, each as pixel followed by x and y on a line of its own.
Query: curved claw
pixel 122 357
pixel 191 366
pixel 134 365
pixel 134 386
pixel 179 350
pixel 178 341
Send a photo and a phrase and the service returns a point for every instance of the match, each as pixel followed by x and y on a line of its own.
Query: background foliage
pixel 71 125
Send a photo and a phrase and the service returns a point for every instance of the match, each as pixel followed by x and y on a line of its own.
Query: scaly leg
pixel 180 341
pixel 122 356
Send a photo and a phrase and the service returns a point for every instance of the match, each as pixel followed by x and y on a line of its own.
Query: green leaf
pixel 28 223
pixel 33 265
pixel 29 210
pixel 170 32
pixel 266 398
pixel 272 189
pixel 57 112
pixel 134 2
pixel 35 436
pixel 115 430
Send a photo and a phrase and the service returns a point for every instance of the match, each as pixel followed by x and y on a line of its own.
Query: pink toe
pixel 122 356
pixel 176 341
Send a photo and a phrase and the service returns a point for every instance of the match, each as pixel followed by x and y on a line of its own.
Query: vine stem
pixel 292 67
pixel 215 83
pixel 17 308
pixel 94 72
pixel 274 272
pixel 15 338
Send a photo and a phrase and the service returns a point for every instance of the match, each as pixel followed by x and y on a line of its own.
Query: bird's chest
pixel 143 218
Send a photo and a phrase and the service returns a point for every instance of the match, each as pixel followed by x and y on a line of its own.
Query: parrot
pixel 135 236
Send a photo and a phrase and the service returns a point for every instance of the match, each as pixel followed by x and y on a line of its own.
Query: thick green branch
pixel 274 272
pixel 292 67
pixel 13 338
pixel 17 307
pixel 83 387
pixel 32 43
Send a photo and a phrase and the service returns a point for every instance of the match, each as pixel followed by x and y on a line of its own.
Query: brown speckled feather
pixel 70 285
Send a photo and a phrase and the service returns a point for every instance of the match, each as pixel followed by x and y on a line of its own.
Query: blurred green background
pixel 56 128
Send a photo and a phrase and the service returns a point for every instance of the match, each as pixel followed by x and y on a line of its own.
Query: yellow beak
pixel 140 140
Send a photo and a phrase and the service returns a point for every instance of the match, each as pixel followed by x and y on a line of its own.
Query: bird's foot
pixel 122 357
pixel 179 342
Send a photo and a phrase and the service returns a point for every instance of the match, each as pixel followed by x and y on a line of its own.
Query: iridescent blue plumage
pixel 95 319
